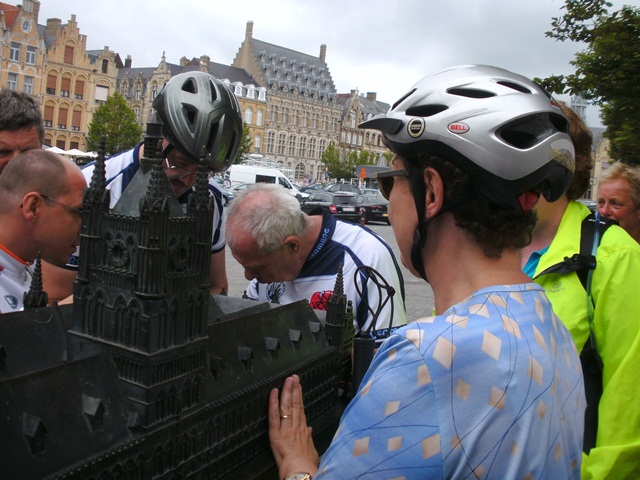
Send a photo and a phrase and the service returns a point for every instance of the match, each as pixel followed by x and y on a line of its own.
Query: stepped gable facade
pixel 357 108
pixel 147 376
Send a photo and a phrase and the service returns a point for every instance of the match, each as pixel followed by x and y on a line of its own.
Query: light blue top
pixel 490 389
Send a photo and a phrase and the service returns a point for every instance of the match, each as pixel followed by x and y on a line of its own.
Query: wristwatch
pixel 299 476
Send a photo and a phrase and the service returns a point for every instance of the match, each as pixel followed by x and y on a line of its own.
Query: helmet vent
pixel 190 86
pixel 426 110
pixel 515 86
pixel 191 116
pixel 214 92
pixel 403 98
pixel 529 131
pixel 470 92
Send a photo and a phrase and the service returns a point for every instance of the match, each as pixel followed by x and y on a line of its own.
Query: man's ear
pixel 31 206
pixel 292 244
pixel 434 197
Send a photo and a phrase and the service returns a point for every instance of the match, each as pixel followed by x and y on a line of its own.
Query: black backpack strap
pixel 592 373
pixel 584 261
pixel 587 237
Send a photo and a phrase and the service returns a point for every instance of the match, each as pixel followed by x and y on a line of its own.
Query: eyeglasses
pixel 386 179
pixel 77 211
pixel 177 172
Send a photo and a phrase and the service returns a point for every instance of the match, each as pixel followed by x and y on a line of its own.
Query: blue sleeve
pixel 392 423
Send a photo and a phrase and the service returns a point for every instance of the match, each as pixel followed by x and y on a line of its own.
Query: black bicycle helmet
pixel 201 117
pixel 501 128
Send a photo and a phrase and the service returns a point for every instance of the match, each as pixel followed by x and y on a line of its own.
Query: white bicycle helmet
pixel 501 128
pixel 201 118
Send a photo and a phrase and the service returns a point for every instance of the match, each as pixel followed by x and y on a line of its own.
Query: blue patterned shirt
pixel 490 389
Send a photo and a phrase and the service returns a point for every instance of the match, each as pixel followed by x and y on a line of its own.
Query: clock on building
pixel 26 25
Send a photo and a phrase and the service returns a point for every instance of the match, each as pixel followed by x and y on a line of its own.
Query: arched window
pixel 248 116
pixel 259 117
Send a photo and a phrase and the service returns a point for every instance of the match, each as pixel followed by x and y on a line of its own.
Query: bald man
pixel 40 212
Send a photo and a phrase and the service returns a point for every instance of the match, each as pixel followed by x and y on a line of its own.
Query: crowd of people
pixel 526 366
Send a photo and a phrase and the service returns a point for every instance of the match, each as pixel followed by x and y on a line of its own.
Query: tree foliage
pixel 607 71
pixel 245 145
pixel 342 164
pixel 116 122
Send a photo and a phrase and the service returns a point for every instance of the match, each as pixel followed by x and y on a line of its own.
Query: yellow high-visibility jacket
pixel 616 298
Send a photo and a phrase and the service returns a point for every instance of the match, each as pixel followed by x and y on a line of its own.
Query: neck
pixel 314 223
pixel 549 218
pixel 457 267
pixel 13 254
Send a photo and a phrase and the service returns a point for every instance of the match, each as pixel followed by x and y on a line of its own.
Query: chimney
pixel 127 62
pixel 323 53
pixel 249 32
pixel 36 9
pixel 184 61
pixel 27 6
pixel 371 96
pixel 53 26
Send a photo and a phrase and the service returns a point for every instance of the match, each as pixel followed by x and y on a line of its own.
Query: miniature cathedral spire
pixel 36 297
pixel 98 180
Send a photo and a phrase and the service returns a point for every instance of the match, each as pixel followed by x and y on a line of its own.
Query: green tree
pixel 245 144
pixel 342 164
pixel 116 122
pixel 607 71
pixel 331 157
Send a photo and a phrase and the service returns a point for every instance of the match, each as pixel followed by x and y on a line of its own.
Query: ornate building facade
pixel 22 48
pixel 52 63
pixel 76 82
pixel 303 114
pixel 356 109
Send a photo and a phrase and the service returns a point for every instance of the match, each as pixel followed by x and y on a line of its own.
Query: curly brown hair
pixel 494 227
pixel 582 141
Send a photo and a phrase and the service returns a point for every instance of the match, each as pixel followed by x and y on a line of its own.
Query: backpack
pixel 584 263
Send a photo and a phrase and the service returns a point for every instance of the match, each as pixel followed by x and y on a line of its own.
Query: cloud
pixel 372 45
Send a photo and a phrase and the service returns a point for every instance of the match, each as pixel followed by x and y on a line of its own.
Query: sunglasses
pixel 77 211
pixel 386 180
pixel 175 171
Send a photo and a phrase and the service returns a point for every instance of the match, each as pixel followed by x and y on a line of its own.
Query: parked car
pixel 372 191
pixel 315 187
pixel 342 187
pixel 227 195
pixel 373 208
pixel 343 205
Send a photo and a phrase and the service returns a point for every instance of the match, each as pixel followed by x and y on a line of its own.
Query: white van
pixel 239 174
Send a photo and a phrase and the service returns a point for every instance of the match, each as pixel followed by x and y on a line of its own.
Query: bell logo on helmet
pixel 458 127
pixel 415 127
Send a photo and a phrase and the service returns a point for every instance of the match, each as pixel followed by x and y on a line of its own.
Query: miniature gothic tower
pixel 36 297
pixel 143 293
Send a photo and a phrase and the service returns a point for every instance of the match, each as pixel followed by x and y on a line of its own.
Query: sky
pixel 381 46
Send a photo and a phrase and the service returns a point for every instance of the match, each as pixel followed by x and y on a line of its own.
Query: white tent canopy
pixel 74 152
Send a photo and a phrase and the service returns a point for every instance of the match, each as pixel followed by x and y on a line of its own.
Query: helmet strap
pixel 167 150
